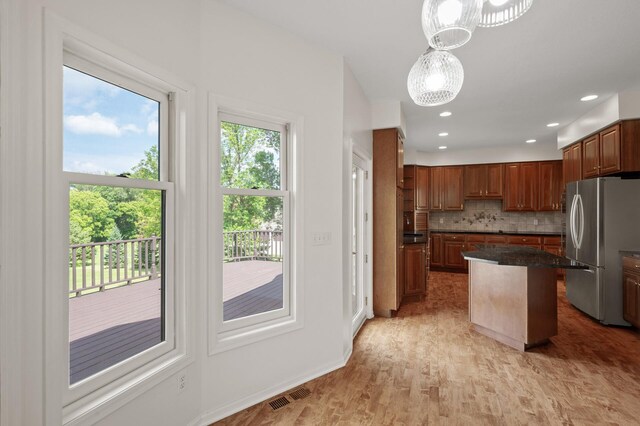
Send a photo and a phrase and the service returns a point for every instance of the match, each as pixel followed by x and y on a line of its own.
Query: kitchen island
pixel 513 295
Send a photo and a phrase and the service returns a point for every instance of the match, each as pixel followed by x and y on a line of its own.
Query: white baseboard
pixel 258 397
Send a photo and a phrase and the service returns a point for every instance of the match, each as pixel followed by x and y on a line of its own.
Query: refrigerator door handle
pixel 581 233
pixel 572 221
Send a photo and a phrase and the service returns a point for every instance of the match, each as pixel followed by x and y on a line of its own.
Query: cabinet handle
pixel 461 206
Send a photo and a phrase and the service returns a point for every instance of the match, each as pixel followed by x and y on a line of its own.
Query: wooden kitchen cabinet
pixel 453 246
pixel 610 160
pixel 416 198
pixel 388 262
pixel 447 188
pixel 435 251
pixel 550 186
pixel 591 156
pixel 521 187
pixel 572 164
pixel 525 240
pixel 415 269
pixel 483 181
pixel 631 289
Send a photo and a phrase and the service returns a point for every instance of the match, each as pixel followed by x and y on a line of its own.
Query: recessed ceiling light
pixel 553 124
pixel 445 114
pixel 531 141
pixel 443 134
pixel 442 147
pixel 589 98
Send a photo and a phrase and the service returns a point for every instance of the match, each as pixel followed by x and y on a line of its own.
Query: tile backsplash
pixel 487 215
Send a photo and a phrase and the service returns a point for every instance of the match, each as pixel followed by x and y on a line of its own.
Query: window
pixel 255 220
pixel 120 286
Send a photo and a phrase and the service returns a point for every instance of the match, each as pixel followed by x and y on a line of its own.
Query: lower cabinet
pixel 453 248
pixel 631 290
pixel 415 269
pixel 435 251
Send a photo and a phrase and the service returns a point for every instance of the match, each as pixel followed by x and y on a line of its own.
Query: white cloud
pixel 97 124
pixel 152 128
pixel 86 167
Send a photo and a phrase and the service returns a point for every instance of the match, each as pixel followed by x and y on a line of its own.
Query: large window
pixel 119 216
pixel 255 220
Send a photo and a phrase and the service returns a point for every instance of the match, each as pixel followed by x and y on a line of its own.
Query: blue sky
pixel 106 128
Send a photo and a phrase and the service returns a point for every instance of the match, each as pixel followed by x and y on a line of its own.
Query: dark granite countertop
pixel 449 231
pixel 423 239
pixel 519 256
pixel 630 253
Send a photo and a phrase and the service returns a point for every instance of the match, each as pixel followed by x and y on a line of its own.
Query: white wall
pixel 215 48
pixel 245 58
pixel 503 154
pixel 388 115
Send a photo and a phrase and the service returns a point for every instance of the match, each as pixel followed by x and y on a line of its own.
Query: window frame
pixel 283 193
pixel 101 394
pixel 226 335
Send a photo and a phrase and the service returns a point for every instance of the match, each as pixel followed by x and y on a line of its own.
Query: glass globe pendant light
pixel 448 24
pixel 500 12
pixel 435 79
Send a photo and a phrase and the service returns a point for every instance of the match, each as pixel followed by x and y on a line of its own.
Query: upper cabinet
pixel 550 186
pixel 521 187
pixel 399 160
pixel 416 198
pixel 612 151
pixel 447 188
pixel 483 181
pixel 572 163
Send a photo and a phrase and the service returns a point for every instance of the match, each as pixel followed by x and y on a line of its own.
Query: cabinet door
pixel 422 188
pixel 529 186
pixel 511 187
pixel 453 181
pixel 494 181
pixel 566 166
pixel 453 254
pixel 435 252
pixel 415 269
pixel 558 184
pixel 610 160
pixel 475 181
pixel 399 276
pixel 435 192
pixel 576 162
pixel 591 156
pixel 546 200
pixel 630 296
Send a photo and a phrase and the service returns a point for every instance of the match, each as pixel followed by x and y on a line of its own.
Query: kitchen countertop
pixel 630 253
pixel 519 256
pixel 415 240
pixel 448 231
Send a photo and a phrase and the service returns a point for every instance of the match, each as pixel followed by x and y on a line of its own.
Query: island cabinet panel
pixel 415 265
pixel 521 187
pixel 550 186
pixel 435 251
pixel 483 181
pixel 388 265
pixel 631 290
pixel 590 156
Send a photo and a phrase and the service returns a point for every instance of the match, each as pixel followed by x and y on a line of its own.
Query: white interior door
pixel 358 242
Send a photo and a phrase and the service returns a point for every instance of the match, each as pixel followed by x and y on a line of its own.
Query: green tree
pixel 250 159
pixel 90 212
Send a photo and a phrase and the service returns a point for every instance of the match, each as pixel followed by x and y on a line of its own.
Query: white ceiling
pixel 518 77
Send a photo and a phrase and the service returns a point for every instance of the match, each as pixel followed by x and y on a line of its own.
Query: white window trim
pixel 225 336
pixel 79 403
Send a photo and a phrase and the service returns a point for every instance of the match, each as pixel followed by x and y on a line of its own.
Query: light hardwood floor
pixel 427 367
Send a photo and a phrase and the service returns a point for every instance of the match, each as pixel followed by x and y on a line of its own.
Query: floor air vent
pixel 300 393
pixel 278 403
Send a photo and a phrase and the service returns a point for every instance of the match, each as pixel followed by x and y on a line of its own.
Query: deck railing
pixel 98 266
pixel 252 245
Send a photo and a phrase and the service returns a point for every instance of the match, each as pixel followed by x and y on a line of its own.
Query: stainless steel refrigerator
pixel 603 217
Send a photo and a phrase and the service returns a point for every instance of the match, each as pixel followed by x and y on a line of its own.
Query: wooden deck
pixel 108 327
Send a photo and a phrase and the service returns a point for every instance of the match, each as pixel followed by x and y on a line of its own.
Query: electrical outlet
pixel 535 222
pixel 182 382
pixel 321 238
pixel 441 220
